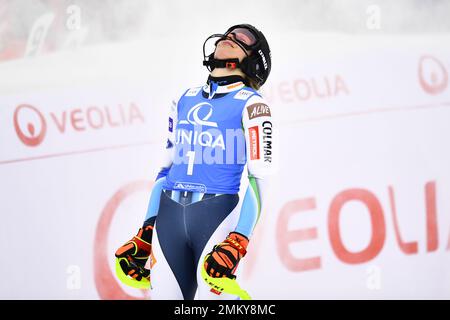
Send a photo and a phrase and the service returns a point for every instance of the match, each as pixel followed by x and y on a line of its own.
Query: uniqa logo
pixel 35 129
pixel 193 116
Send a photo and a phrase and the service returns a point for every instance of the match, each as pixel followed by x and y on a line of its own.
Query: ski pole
pixel 225 284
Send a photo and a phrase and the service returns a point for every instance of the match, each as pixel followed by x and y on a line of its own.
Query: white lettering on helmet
pixel 263 59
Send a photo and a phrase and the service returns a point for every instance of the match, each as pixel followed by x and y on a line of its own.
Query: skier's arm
pixel 133 255
pixel 259 128
pixel 168 154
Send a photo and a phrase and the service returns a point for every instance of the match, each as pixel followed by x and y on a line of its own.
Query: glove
pixel 224 258
pixel 133 255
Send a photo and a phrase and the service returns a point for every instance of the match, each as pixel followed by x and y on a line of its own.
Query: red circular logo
pixel 31 138
pixel 106 282
pixel 433 76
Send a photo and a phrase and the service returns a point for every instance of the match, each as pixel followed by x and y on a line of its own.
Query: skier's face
pixel 227 49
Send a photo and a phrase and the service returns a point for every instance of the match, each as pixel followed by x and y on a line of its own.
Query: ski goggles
pixel 241 35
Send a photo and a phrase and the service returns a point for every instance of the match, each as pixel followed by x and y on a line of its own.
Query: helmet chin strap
pixel 212 63
pixel 222 63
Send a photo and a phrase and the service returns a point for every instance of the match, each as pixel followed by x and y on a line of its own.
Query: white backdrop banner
pixel 359 207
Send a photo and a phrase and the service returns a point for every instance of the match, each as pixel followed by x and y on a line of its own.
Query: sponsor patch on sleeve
pixel 170 124
pixel 254 142
pixel 243 94
pixel 258 110
pixel 193 92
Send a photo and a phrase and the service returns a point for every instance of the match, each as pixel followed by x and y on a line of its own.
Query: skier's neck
pixel 224 72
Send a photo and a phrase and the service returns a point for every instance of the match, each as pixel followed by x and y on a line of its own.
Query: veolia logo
pixel 194 118
pixel 30 125
pixel 433 76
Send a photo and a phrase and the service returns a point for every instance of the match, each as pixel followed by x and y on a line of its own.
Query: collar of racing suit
pixel 219 86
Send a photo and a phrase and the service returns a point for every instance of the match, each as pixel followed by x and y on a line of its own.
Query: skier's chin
pixel 223 56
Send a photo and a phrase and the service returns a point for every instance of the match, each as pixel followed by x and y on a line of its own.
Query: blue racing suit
pixel 213 132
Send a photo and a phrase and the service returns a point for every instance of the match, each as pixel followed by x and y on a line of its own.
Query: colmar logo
pixel 258 110
pixel 36 126
pixel 267 140
pixel 194 118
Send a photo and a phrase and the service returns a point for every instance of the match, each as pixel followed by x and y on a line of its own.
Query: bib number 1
pixel 190 168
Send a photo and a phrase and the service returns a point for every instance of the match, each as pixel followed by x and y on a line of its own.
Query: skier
pixel 195 218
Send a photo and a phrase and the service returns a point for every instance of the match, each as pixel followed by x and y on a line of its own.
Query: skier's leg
pixel 210 221
pixel 173 274
pixel 163 281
